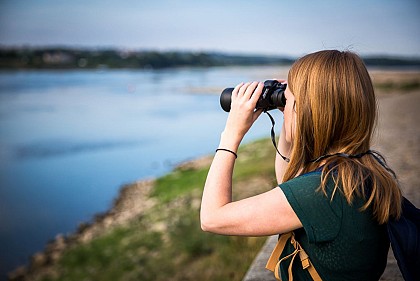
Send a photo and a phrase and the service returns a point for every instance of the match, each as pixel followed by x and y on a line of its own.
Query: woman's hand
pixel 242 113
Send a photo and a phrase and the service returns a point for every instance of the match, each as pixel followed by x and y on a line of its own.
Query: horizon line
pixel 186 50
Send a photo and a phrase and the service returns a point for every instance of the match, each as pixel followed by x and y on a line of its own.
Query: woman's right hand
pixel 242 113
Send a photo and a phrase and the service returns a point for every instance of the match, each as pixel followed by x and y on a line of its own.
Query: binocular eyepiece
pixel 272 96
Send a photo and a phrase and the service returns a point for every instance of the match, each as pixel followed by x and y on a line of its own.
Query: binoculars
pixel 272 96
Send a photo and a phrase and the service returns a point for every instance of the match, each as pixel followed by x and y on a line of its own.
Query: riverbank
pixel 152 232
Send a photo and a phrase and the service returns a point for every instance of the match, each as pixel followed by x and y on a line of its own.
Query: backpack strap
pixel 404 235
pixel 273 263
pixel 278 249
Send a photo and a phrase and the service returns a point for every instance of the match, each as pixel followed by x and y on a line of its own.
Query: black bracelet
pixel 224 149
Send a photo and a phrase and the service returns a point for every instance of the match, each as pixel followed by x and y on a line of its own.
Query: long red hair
pixel 336 113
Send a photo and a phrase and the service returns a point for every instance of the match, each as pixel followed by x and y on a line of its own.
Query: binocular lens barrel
pixel 226 99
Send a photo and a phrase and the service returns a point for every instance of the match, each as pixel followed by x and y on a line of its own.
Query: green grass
pixel 166 242
pixel 115 256
pixel 255 159
pixel 179 182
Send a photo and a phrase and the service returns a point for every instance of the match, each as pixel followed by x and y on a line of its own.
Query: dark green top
pixel 342 242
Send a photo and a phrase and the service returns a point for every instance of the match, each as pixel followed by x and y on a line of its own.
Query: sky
pixel 291 28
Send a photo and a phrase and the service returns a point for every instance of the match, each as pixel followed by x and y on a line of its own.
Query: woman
pixel 334 193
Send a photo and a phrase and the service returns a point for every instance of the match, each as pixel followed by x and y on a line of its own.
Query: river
pixel 70 139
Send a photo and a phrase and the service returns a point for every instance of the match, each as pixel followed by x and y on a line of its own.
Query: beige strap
pixel 273 263
pixel 278 249
pixel 307 264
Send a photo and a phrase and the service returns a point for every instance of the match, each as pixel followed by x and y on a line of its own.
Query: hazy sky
pixel 260 27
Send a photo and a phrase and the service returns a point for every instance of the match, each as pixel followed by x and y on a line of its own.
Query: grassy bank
pixel 165 241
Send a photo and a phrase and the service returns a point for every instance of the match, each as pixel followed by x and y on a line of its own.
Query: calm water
pixel 70 139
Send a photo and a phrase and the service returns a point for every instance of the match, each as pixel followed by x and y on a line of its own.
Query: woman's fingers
pixel 257 92
pixel 250 90
pixel 247 92
pixel 236 90
pixel 242 90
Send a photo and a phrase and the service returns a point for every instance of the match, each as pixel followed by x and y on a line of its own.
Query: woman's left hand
pixel 242 113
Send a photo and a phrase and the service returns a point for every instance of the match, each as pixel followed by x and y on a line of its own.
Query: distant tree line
pixel 61 58
pixel 68 58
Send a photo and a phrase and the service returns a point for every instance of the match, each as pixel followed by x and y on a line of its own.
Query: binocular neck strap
pixel 273 137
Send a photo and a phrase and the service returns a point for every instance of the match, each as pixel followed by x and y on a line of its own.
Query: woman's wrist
pixel 229 141
pixel 228 150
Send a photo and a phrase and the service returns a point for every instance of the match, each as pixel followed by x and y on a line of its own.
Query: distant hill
pixel 391 61
pixel 72 58
pixel 62 58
